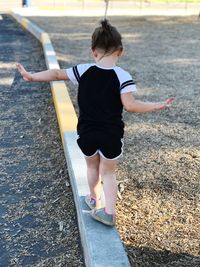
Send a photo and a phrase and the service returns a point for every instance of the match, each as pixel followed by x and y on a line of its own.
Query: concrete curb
pixel 101 244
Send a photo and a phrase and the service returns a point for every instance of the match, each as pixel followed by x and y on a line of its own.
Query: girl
pixel 103 90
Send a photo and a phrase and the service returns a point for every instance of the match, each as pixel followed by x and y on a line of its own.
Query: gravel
pixel 38 224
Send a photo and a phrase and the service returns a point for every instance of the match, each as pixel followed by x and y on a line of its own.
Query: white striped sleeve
pixel 127 83
pixel 75 73
pixel 71 76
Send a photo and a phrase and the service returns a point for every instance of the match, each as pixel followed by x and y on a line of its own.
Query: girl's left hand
pixel 160 106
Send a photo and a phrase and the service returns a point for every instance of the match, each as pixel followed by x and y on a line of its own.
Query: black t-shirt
pixel 99 101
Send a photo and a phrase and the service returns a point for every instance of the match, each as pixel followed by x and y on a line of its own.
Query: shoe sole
pixel 89 206
pixel 101 220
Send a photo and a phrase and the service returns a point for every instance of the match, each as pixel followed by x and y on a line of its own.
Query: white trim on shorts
pixel 102 155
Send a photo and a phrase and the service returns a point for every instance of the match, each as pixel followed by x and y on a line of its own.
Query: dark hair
pixel 106 37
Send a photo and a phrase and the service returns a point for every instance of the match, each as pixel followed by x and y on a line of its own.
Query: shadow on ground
pixel 148 257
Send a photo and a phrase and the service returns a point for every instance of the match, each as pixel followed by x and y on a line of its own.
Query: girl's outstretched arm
pixel 133 105
pixel 43 76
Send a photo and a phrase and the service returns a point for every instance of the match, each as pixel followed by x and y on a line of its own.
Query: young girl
pixel 103 90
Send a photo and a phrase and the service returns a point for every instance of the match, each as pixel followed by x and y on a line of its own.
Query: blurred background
pixel 96 4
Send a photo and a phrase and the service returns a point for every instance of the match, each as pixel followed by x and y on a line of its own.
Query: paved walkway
pixel 37 214
pixel 115 8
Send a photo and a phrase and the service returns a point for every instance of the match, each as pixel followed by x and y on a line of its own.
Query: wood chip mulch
pixel 159 210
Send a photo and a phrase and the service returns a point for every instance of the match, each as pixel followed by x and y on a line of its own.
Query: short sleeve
pixel 74 74
pixel 127 83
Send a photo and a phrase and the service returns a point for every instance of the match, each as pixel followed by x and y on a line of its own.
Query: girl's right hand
pixel 25 74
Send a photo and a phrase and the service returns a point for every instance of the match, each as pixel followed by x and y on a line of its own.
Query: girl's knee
pixel 93 162
pixel 107 167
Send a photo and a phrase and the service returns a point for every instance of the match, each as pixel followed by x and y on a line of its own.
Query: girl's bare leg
pixel 93 177
pixel 108 174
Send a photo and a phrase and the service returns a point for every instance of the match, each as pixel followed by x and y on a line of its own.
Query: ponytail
pixel 106 37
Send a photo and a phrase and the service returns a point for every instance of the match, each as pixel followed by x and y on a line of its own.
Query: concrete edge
pixel 102 246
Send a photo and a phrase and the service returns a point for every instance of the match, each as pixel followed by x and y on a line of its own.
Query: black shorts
pixel 107 145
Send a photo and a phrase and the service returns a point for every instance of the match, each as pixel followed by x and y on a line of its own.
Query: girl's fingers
pixel 20 68
pixel 18 65
pixel 168 101
pixel 26 75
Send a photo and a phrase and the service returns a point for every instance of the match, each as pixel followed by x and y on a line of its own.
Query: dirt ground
pixel 158 208
pixel 38 224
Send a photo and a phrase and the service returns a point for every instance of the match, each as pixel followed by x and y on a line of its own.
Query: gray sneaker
pixel 103 217
pixel 91 202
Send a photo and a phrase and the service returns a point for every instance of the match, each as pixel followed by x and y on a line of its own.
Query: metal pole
pixel 186 5
pixel 106 9
pixel 83 4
